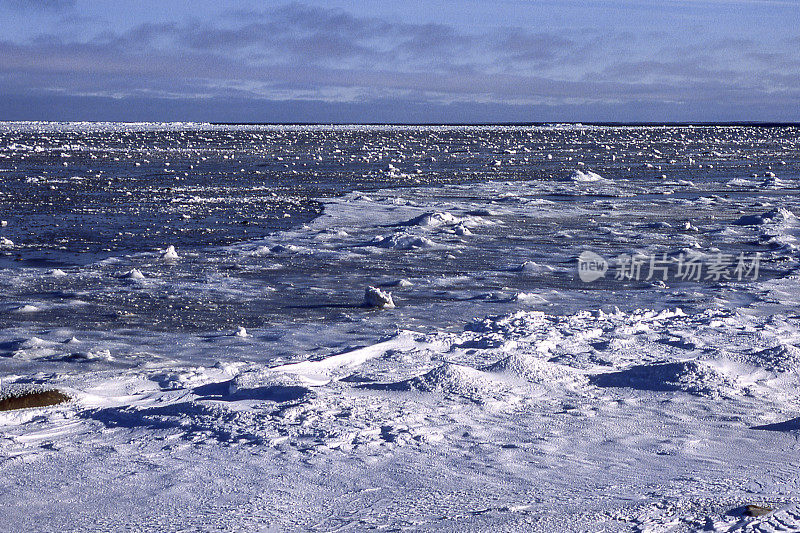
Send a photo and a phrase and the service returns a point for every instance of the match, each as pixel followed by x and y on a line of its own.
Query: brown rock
pixel 756 510
pixel 25 400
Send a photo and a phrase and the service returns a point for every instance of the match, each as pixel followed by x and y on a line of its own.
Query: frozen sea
pixel 199 292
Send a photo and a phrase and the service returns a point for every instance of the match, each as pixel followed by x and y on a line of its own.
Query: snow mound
pixel 30 349
pixel 585 176
pixel 286 249
pixel 772 182
pixel 320 372
pixel 513 326
pixel 402 241
pixel 695 377
pixel 33 343
pixel 775 216
pixel 449 379
pixel 27 308
pixel 529 267
pixel 433 219
pixel 462 229
pixel 90 355
pixel 134 274
pixel 170 254
pixel 374 297
pixel 779 228
pixel 530 298
pixel 437 219
pixel 537 370
pixel 264 385
pixel 780 358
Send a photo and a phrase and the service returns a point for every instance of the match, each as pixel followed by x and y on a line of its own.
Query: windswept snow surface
pixel 199 292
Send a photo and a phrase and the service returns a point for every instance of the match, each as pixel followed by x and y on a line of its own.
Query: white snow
pixel 402 241
pixel 585 176
pixel 134 274
pixel 27 308
pixel 674 436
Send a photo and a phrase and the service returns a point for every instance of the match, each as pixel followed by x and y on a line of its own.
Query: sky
pixel 431 61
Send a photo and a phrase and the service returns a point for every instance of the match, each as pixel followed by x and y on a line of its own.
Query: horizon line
pixel 751 123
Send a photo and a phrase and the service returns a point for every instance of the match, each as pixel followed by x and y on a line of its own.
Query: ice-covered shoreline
pixel 264 381
pixel 502 420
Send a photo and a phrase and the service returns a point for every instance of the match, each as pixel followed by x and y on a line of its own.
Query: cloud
pixel 523 46
pixel 39 5
pixel 298 53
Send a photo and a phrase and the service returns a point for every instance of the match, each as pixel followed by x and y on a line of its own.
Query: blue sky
pixel 418 61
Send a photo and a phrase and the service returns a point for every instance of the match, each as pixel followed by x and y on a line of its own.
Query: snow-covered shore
pixel 647 419
pixel 421 355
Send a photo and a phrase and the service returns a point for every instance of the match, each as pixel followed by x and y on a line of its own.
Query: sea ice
pixel 170 254
pixel 374 297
